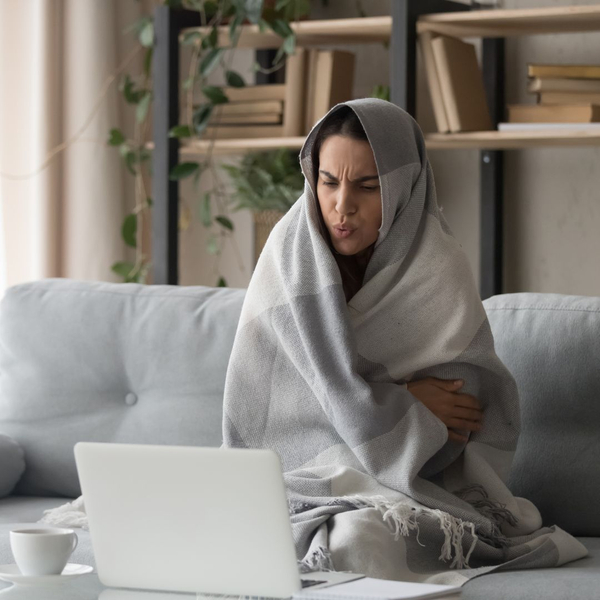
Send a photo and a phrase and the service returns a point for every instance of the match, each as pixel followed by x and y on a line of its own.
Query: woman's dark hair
pixel 342 122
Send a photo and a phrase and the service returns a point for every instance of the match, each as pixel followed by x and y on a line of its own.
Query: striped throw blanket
pixel 374 485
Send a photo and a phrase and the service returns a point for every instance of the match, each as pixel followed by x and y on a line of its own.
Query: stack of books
pixel 567 95
pixel 315 81
pixel 455 83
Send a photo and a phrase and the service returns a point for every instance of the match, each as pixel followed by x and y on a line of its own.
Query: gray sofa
pixel 146 364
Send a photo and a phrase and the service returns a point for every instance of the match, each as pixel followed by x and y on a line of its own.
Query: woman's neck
pixel 352 268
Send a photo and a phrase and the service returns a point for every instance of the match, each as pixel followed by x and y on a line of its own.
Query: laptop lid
pixel 188 519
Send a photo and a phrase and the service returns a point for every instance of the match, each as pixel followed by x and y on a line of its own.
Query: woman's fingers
pixel 466 401
pixel 457 437
pixel 470 414
pixel 463 424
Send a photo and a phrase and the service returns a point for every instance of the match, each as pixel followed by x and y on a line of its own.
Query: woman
pixel 360 316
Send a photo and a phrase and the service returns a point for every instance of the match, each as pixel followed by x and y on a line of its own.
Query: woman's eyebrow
pixel 366 178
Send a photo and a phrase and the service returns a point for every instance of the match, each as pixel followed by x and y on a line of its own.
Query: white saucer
pixel 12 574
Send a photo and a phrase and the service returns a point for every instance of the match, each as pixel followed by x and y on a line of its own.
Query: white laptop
pixel 191 519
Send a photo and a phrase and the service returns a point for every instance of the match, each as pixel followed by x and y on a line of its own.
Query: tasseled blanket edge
pixel 402 518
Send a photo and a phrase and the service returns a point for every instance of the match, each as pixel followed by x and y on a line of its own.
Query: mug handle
pixel 75 542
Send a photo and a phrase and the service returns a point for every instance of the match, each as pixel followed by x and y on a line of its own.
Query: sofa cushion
pixel 113 363
pixel 576 580
pixel 551 344
pixel 12 464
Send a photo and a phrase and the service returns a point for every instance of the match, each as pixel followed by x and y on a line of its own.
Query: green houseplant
pixel 214 205
pixel 267 183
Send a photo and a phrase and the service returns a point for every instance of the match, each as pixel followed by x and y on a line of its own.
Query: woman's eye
pixel 369 188
pixel 328 183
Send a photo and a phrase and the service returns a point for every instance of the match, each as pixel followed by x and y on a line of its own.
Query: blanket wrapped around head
pixel 374 485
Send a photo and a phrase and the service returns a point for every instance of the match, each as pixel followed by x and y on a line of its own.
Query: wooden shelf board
pixel 506 140
pixel 322 32
pixel 522 21
pixel 240 146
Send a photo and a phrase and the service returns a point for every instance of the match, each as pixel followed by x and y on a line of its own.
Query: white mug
pixel 43 551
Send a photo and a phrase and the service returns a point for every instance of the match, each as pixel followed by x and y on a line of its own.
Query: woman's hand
pixel 456 411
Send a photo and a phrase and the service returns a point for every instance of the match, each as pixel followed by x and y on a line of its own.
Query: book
pixel 267 91
pixel 545 126
pixel 330 81
pixel 461 84
pixel 553 113
pixel 311 77
pixel 569 98
pixel 435 91
pixel 566 71
pixel 252 107
pixel 295 92
pixel 228 132
pixel 368 588
pixel 557 84
pixel 334 80
pixel 246 118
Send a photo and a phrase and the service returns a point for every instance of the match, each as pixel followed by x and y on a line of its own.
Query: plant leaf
pixel 212 247
pixel 221 282
pixel 234 28
pixel 224 222
pixel 141 110
pixel 183 170
pixel 129 230
pixel 130 160
pixel 205 210
pixel 210 61
pixel 215 94
pixel 116 137
pixel 210 41
pixel 281 28
pixel 201 117
pixel 146 35
pixel 180 131
pixel 289 44
pixel 124 269
pixel 234 79
pixel 253 10
pixel 190 38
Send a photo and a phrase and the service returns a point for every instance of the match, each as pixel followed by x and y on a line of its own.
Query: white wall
pixel 552 197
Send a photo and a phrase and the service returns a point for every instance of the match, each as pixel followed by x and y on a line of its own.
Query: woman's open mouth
pixel 343 232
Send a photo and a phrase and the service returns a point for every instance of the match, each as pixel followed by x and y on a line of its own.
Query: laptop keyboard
pixel 310 582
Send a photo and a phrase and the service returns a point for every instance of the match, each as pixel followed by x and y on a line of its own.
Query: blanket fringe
pixel 402 518
pixel 477 496
pixel 318 560
pixel 71 514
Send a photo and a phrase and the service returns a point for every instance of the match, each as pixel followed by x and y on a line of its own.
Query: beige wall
pixel 552 197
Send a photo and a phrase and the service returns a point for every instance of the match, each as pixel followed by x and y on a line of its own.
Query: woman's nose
pixel 344 203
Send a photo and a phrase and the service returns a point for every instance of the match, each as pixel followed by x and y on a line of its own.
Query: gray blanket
pixel 374 484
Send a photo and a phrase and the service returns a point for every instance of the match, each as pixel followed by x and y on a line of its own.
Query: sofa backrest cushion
pixel 551 344
pixel 90 361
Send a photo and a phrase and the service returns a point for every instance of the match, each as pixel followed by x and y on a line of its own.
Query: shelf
pixel 237 146
pixel 488 140
pixel 322 32
pixel 506 140
pixel 523 21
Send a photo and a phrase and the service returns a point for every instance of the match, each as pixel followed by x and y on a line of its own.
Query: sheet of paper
pixel 378 589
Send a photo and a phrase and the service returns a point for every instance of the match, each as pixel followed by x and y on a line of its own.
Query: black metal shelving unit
pixel 403 73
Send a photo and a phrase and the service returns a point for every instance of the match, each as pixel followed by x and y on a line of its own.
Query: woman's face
pixel 349 194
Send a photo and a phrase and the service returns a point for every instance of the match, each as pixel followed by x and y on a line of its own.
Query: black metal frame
pixel 403 76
